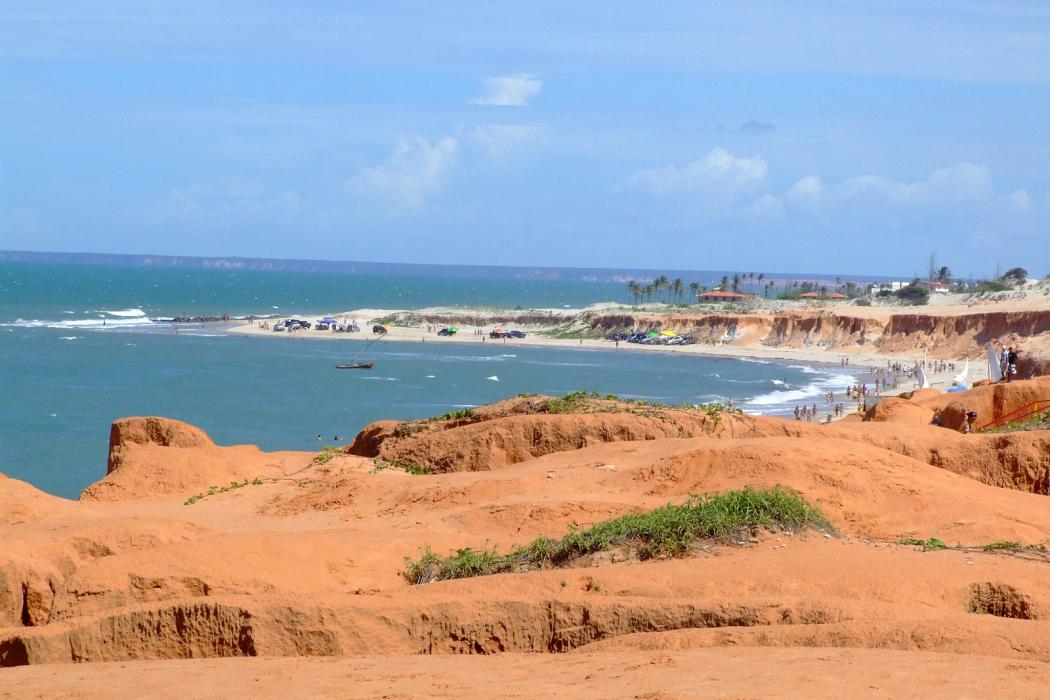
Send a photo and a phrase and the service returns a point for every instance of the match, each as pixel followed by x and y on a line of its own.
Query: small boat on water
pixel 355 365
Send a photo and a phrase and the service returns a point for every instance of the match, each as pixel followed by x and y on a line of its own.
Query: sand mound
pixel 894 410
pixel 21 503
pixel 514 431
pixel 154 456
pixel 310 563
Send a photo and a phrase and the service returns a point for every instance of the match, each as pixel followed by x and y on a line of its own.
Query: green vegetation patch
pixel 326 455
pixel 1039 421
pixel 931 545
pixel 212 490
pixel 402 465
pixel 669 531
pixel 1002 544
pixel 466 414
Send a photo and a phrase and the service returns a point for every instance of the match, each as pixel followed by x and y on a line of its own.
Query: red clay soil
pixel 151 595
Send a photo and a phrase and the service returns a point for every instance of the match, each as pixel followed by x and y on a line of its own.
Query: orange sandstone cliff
pixel 150 582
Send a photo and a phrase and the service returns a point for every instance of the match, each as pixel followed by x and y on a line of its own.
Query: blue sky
pixel 808 136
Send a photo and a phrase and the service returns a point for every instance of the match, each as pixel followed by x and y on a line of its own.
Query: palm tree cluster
pixel 675 289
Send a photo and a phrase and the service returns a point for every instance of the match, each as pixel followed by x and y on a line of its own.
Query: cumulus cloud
pixel 499 141
pixel 414 171
pixel 806 191
pixel 718 172
pixel 958 186
pixel 509 90
pixel 228 201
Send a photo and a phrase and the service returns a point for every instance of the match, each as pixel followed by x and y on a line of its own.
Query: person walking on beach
pixel 1004 363
pixel 1011 363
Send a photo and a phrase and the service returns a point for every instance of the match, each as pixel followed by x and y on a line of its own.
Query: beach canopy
pixel 453 329
pixel 498 329
pixel 668 333
pixel 651 334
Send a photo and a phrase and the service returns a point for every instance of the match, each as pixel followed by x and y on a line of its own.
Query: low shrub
pixel 669 531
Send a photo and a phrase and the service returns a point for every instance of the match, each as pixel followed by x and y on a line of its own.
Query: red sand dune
pixel 307 563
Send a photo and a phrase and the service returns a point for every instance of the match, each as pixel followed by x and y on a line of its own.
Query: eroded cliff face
pixel 311 563
pixel 941 336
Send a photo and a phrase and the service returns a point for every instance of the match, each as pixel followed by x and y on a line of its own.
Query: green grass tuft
pixel 1002 544
pixel 402 464
pixel 326 454
pixel 930 545
pixel 462 414
pixel 668 531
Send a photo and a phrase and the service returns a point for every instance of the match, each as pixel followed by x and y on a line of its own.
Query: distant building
pixel 887 286
pixel 725 296
pixel 938 287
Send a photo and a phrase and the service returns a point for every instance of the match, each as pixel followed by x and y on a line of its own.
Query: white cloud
pixel 954 188
pixel 718 171
pixel 413 172
pixel 228 201
pixel 1020 200
pixel 501 140
pixel 509 90
pixel 806 191
pixel 768 207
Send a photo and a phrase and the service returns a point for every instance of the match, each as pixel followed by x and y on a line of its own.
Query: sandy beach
pixel 537 336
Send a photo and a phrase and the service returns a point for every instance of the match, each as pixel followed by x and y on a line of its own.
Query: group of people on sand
pixel 1008 362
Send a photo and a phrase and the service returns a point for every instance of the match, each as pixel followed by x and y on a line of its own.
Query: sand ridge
pixel 305 557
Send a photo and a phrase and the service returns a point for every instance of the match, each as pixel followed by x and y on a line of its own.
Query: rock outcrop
pixel 154 456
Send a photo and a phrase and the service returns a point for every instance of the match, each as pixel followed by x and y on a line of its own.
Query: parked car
pixel 498 334
pixel 516 334
pixel 378 329
pixel 278 327
pixel 446 331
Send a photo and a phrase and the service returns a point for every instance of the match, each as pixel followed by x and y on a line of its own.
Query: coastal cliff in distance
pixel 942 336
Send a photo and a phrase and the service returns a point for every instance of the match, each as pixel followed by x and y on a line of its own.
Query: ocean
pixel 78 349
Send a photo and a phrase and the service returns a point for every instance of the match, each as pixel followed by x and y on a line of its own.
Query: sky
pixel 840 137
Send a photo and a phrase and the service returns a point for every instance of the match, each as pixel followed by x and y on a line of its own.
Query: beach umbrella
pixel 670 334
pixel 453 329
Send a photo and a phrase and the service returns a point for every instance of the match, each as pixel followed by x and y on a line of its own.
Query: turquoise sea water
pixel 66 377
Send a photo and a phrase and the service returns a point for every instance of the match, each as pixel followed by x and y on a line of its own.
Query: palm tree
pixel 677 287
pixel 660 283
pixel 635 290
pixel 725 283
pixel 694 290
pixel 736 283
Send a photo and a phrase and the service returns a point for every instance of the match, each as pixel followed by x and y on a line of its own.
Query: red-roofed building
pixel 725 296
pixel 939 287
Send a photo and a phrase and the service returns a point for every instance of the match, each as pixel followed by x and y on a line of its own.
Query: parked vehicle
pixel 379 330
pixel 516 334
pixel 498 333
pixel 446 331
pixel 278 327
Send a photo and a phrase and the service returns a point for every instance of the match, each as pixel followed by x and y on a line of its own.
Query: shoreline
pixel 858 363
